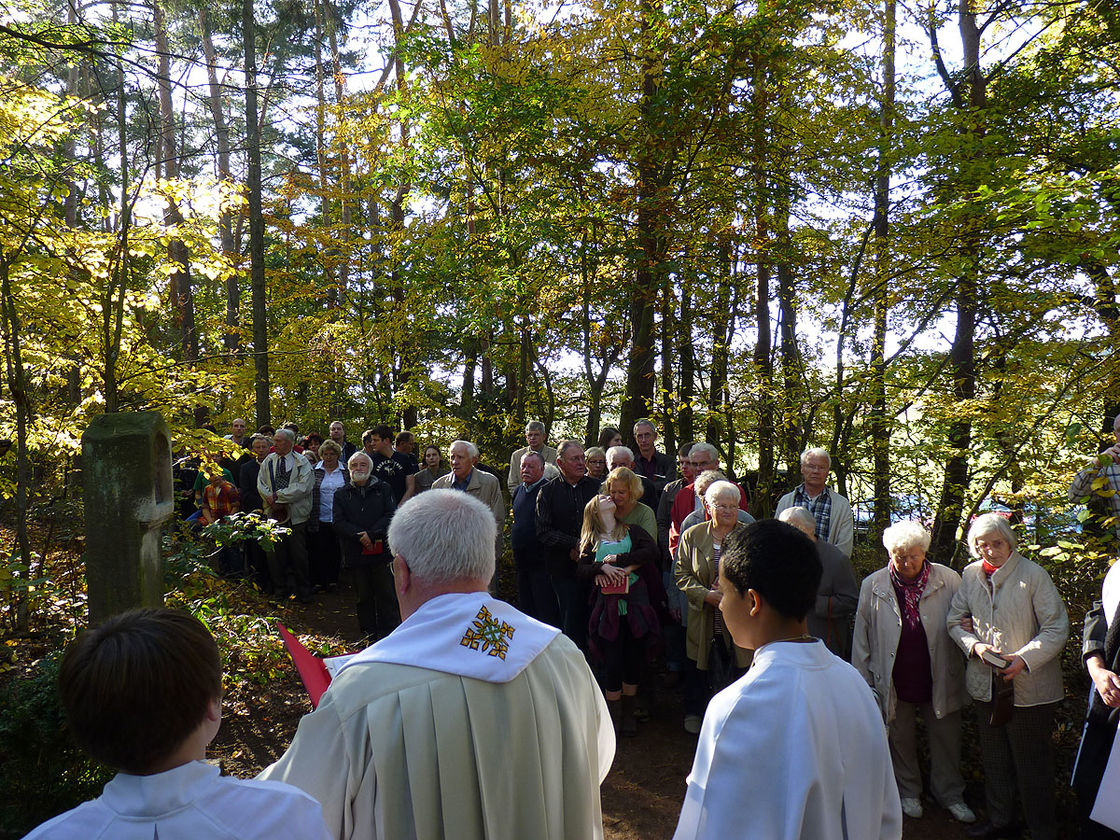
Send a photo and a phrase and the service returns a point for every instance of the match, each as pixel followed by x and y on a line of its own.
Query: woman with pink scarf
pixel 903 650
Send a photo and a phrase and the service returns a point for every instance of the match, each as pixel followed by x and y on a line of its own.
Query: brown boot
pixel 628 725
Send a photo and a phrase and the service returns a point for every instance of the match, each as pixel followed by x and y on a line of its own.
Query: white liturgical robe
pixel 793 749
pixel 470 721
pixel 190 802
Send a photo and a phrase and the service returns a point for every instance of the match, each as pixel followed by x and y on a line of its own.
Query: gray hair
pixel 534 426
pixel 357 456
pixel 623 452
pixel 532 453
pixel 565 446
pixel 990 523
pixel 472 450
pixel 903 536
pixel 445 536
pixel 287 434
pixel 801 519
pixel 645 421
pixel 816 452
pixel 697 448
pixel 1116 423
pixel 719 490
pixel 705 480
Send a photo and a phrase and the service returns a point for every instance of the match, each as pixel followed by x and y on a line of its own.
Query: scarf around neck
pixel 910 593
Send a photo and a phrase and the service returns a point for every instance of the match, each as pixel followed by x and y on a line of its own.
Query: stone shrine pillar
pixel 128 495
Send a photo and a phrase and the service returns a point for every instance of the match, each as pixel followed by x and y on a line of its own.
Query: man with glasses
pixel 703 457
pixel 831 510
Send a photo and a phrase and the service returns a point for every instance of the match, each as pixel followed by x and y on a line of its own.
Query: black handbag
pixel 722 670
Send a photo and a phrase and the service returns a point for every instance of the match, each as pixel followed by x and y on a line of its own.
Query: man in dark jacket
pixel 560 505
pixel 362 510
pixel 535 595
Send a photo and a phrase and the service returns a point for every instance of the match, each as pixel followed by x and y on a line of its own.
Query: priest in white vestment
pixel 796 747
pixel 471 720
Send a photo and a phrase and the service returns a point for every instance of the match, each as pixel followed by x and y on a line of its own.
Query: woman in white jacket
pixel 1010 620
pixel 903 650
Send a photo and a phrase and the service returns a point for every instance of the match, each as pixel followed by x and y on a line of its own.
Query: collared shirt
pixel 529 487
pixel 1082 486
pixel 191 800
pixel 330 482
pixel 820 506
pixel 456 484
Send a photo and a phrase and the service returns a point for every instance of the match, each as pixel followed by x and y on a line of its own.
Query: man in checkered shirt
pixel 1082 485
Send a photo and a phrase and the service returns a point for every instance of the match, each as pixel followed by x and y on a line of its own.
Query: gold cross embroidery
pixel 491 635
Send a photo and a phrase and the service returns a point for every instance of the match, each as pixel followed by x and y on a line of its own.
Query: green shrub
pixel 42 772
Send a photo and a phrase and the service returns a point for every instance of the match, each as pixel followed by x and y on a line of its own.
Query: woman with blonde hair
pixel 621 559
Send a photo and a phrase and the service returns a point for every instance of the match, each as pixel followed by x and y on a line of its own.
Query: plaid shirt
pixel 1082 486
pixel 221 500
pixel 820 507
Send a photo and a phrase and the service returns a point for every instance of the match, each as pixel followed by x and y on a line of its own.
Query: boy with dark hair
pixel 390 466
pixel 143 694
pixel 796 747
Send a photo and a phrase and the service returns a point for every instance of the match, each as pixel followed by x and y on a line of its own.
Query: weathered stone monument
pixel 128 495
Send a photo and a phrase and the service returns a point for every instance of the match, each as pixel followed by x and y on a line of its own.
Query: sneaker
pixel 912 807
pixel 692 724
pixel 961 812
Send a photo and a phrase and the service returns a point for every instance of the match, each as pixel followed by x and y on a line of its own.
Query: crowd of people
pixel 621 565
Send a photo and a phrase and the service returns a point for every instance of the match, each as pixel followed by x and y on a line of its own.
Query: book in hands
pixel 620 586
pixel 995 660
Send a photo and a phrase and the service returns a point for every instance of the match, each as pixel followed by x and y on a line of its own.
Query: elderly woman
pixel 697 576
pixel 902 648
pixel 703 481
pixel 1010 620
pixel 622 560
pixel 323 553
pixel 596 460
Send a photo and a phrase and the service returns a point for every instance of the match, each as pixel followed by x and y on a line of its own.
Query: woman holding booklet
pixel 1010 620
pixel 620 558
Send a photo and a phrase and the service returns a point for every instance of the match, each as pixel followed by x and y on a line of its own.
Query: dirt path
pixel 641 796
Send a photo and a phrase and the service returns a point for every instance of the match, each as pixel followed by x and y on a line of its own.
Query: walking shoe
pixel 692 724
pixel 986 831
pixel 912 807
pixel 961 812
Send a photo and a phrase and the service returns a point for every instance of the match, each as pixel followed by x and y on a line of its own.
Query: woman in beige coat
pixel 697 573
pixel 1009 613
pixel 903 650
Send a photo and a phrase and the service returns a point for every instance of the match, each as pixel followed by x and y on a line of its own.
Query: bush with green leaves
pixel 42 772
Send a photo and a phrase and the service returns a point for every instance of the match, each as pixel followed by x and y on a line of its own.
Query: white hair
pixel 620 452
pixel 990 523
pixel 816 452
pixel 801 519
pixel 903 536
pixel 287 434
pixel 357 456
pixel 472 450
pixel 703 481
pixel 698 448
pixel 721 489
pixel 445 536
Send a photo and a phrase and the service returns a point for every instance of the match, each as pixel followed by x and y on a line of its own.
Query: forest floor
pixel 641 795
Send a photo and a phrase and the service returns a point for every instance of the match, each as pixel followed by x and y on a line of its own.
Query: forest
pixel 889 229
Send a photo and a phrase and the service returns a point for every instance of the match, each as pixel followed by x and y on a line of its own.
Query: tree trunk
pixel 179 255
pixel 256 218
pixel 231 339
pixel 18 387
pixel 880 424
